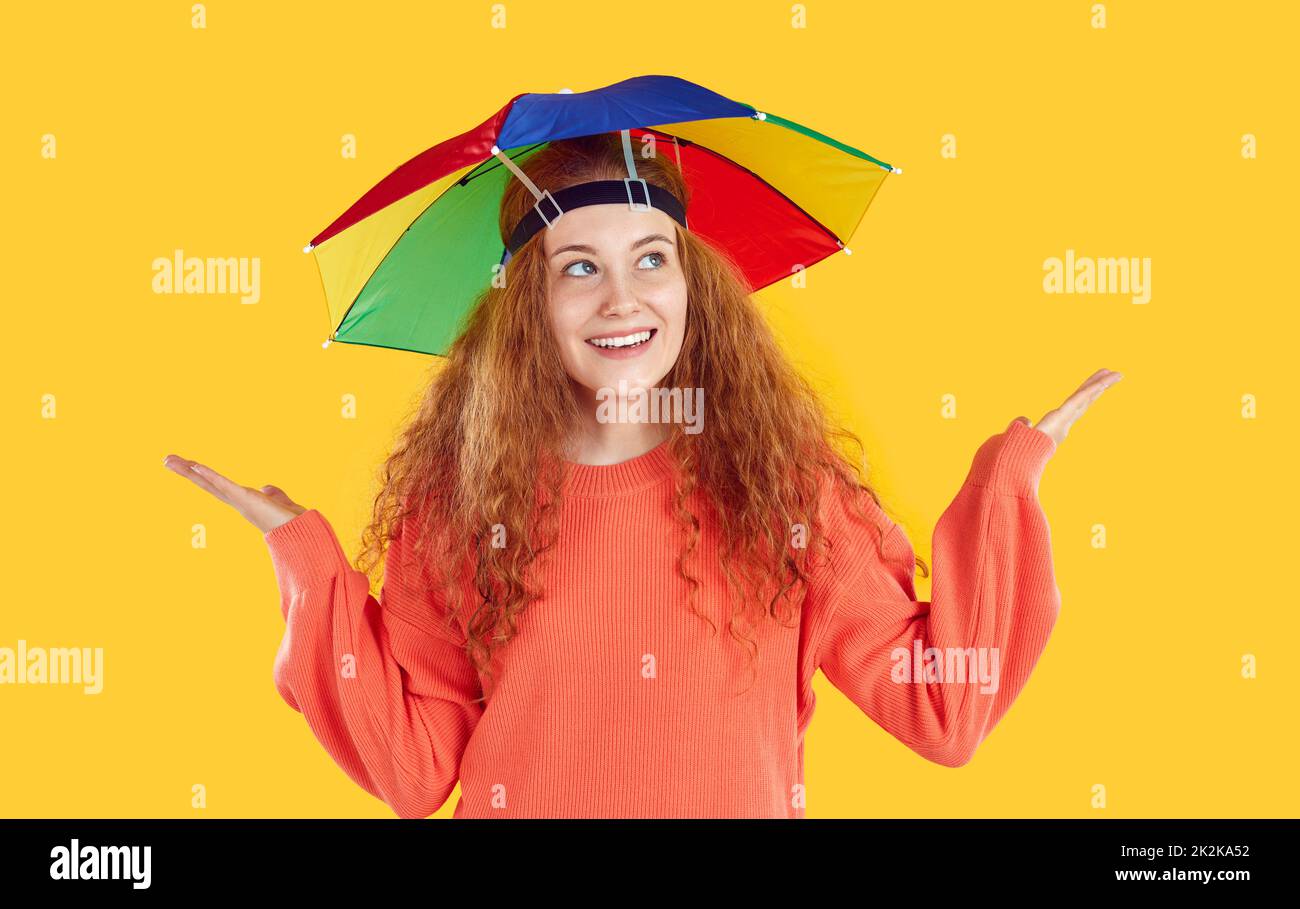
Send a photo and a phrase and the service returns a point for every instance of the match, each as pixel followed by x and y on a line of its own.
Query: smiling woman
pixel 581 617
pixel 618 302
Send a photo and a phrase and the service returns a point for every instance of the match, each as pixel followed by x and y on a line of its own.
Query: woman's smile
pixel 623 345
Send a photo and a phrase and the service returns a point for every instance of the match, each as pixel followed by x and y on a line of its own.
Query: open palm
pixel 1056 423
pixel 266 508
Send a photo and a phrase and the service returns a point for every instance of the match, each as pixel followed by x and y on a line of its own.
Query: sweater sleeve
pixel 993 605
pixel 387 689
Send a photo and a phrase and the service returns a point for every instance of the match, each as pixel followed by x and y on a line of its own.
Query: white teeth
pixel 625 341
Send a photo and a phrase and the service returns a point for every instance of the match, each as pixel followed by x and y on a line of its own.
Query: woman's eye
pixel 568 269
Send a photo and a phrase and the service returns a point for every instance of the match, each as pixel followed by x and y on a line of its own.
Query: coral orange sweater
pixel 616 700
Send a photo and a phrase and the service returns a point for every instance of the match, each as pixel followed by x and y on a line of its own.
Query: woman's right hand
pixel 266 508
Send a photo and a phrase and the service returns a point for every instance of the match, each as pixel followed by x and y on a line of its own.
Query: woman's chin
pixel 612 379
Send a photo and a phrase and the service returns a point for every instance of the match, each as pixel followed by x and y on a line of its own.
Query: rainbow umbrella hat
pixel 405 263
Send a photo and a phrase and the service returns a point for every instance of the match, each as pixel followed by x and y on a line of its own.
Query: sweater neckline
pixel 632 475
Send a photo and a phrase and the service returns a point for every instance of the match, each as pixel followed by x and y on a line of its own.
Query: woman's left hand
pixel 1056 423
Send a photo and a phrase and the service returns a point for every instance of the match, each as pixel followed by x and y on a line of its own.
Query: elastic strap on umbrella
pixel 631 172
pixel 596 192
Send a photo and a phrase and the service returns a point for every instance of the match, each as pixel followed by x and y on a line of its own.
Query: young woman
pixel 586 613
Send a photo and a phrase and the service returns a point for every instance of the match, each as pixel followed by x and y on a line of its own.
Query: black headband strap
pixel 636 193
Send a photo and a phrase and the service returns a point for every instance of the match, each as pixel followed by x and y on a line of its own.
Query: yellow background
pixel 225 141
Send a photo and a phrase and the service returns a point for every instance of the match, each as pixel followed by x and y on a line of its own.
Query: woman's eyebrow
pixel 580 247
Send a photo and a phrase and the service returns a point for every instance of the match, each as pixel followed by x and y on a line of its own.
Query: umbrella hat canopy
pixel 405 263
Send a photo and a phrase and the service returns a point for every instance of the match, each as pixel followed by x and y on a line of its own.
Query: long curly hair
pixel 480 460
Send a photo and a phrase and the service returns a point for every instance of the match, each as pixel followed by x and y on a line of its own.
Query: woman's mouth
pixel 621 347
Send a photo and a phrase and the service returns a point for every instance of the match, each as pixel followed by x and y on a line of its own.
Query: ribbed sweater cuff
pixel 1012 461
pixel 304 551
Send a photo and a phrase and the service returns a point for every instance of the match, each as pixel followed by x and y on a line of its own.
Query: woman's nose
pixel 621 300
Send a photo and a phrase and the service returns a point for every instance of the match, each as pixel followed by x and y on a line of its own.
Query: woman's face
pixel 613 278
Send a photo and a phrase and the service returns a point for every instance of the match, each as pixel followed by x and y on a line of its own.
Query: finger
pixel 1058 422
pixel 1099 385
pixel 1099 378
pixel 1086 393
pixel 230 492
pixel 185 468
pixel 1092 378
pixel 236 494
